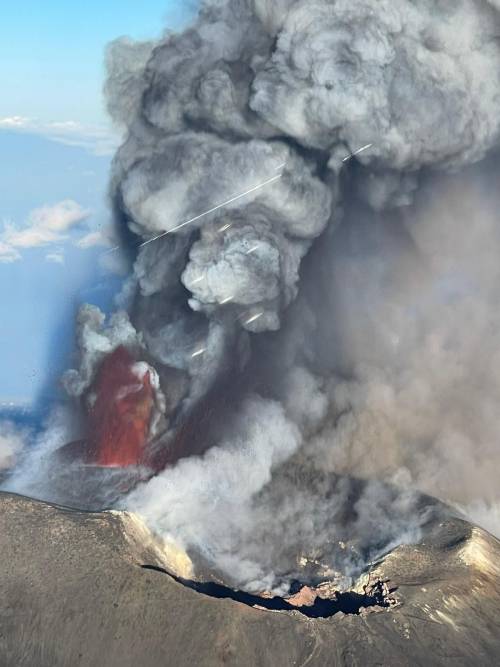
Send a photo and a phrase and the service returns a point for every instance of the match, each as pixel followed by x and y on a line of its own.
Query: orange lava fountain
pixel 121 406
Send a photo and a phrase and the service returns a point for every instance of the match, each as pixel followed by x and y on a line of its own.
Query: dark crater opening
pixel 348 602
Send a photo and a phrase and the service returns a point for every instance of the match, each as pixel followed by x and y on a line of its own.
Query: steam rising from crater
pixel 350 304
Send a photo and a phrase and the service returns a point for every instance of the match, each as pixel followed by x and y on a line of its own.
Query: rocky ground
pixel 74 591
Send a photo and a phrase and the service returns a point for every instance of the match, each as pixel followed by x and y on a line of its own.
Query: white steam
pixel 35 471
pixel 205 503
pixel 96 339
pixel 13 440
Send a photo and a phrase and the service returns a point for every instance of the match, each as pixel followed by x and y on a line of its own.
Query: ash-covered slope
pixel 73 591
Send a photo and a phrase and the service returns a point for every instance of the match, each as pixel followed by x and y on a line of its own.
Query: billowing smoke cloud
pixel 205 503
pixel 35 472
pixel 414 325
pixel 96 338
pixel 418 79
pixel 349 302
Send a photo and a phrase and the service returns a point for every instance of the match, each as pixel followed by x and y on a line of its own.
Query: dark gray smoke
pixel 351 301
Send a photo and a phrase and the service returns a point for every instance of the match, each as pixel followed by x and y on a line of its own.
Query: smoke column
pixel 309 191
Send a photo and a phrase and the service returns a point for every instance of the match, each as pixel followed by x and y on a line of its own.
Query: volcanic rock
pixel 305 597
pixel 91 589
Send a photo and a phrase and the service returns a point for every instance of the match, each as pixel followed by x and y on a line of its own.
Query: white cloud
pixel 8 254
pixel 105 236
pixel 56 257
pixel 45 225
pixel 98 139
pixel 58 217
pixel 92 239
pixel 13 122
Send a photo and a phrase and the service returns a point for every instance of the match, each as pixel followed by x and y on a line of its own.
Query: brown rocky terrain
pixel 74 591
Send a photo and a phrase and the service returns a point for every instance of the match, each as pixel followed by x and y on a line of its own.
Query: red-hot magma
pixel 120 413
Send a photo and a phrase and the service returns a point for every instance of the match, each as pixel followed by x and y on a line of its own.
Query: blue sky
pixel 51 53
pixel 53 199
pixel 54 166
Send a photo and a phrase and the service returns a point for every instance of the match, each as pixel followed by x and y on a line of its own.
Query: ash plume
pixel 308 191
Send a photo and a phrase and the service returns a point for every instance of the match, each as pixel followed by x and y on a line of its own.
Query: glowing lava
pixel 121 403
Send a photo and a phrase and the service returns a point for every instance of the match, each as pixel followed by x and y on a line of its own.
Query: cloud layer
pixel 99 140
pixel 46 225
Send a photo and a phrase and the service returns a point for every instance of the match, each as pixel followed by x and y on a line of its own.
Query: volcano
pixel 138 604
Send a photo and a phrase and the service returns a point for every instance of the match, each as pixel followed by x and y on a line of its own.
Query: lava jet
pixel 119 408
pixel 129 433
